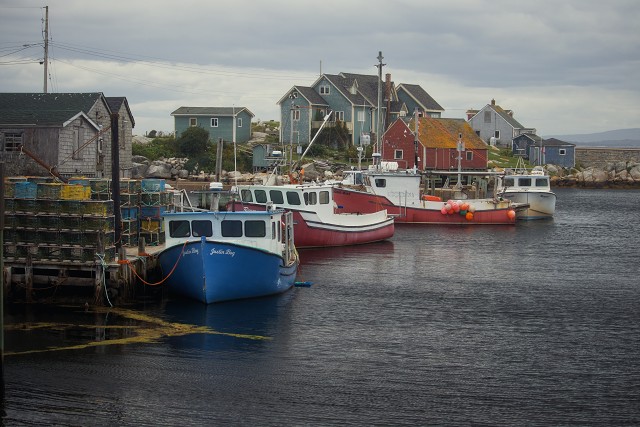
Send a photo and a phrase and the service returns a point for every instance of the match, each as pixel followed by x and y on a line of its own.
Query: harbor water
pixel 535 324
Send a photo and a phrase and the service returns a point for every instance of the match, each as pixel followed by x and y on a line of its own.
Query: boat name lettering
pixel 191 251
pixel 215 251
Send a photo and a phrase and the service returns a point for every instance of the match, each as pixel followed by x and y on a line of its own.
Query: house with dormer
pixel 364 104
pixel 432 144
pixel 495 125
pixel 70 132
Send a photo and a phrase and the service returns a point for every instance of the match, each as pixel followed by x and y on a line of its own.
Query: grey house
pixel 522 143
pixel 68 131
pixel 495 125
pixel 228 123
pixel 352 100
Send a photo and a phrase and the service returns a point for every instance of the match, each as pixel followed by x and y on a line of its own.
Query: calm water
pixel 537 324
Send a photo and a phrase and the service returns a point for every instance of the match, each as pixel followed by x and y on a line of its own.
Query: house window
pixel 487 116
pixel 214 122
pixel 497 134
pixel 193 122
pixel 239 122
pixel 397 155
pixel 324 90
pixel 562 152
pixel 339 116
pixel 296 115
pixel 469 155
pixel 361 116
pixel 12 141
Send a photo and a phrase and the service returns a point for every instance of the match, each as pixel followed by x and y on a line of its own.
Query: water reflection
pixel 238 325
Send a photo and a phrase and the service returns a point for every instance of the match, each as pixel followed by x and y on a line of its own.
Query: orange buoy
pixel 511 214
pixel 469 216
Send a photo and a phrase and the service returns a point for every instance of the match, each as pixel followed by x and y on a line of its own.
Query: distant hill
pixel 621 138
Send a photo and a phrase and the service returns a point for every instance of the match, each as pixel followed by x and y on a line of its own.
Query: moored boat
pixel 399 192
pixel 531 187
pixel 317 224
pixel 218 256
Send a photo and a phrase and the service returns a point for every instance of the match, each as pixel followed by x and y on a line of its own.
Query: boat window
pixel 310 198
pixel 524 182
pixel 179 229
pixel 261 196
pixel 245 195
pixel 276 197
pixel 201 228
pixel 357 179
pixel 508 182
pixel 324 197
pixel 542 182
pixel 380 182
pixel 293 198
pixel 273 230
pixel 254 228
pixel 231 228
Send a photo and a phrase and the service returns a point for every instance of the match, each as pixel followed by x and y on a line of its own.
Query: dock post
pixel 28 278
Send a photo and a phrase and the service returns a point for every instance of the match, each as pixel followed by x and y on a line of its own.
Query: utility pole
pixel 46 47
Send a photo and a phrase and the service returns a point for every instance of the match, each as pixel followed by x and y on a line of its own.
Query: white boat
pixel 531 187
pixel 317 222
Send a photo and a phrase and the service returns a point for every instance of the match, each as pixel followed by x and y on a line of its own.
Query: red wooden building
pixel 437 145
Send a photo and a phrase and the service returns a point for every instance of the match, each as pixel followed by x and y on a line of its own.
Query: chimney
pixel 493 102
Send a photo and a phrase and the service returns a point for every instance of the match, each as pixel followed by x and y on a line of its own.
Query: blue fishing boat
pixel 219 256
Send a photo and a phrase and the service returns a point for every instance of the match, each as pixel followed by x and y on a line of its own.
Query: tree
pixel 194 142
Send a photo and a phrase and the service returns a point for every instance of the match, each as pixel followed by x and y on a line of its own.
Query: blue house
pixel 415 97
pixel 352 100
pixel 228 123
pixel 553 152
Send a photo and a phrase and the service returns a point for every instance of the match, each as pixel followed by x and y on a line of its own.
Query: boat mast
pixel 379 115
pixel 460 149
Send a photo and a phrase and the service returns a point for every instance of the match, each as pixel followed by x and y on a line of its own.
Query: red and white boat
pixel 316 220
pixel 399 193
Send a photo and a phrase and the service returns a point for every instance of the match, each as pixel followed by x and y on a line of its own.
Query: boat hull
pixel 487 211
pixel 210 271
pixel 311 231
pixel 542 205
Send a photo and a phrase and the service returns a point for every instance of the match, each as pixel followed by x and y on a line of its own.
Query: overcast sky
pixel 562 66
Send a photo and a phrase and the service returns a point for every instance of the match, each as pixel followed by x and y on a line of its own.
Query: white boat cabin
pixel 311 197
pixel 271 231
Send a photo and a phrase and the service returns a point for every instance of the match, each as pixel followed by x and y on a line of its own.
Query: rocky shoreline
pixel 618 175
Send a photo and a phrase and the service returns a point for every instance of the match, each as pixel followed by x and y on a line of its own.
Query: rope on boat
pixel 166 277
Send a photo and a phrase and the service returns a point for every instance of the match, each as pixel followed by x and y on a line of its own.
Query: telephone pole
pixel 46 47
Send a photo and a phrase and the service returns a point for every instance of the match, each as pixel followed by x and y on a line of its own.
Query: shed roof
pixel 44 109
pixel 443 133
pixel 210 111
